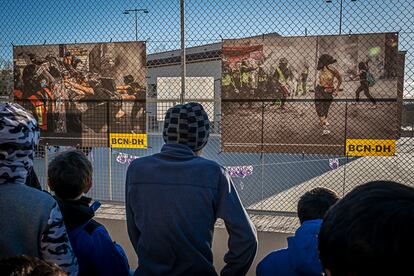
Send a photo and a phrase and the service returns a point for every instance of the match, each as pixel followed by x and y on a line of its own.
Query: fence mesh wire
pixel 275 155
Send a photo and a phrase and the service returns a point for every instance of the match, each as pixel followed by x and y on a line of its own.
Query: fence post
pixel 109 173
pixel 345 152
pixel 108 122
pixel 183 58
pixel 46 165
pixel 262 155
pixel 262 164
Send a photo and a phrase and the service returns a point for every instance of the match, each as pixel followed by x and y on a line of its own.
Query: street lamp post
pixel 136 11
pixel 340 17
pixel 341 9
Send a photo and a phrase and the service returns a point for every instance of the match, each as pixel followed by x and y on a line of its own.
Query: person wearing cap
pixel 326 89
pixel 173 199
pixel 30 220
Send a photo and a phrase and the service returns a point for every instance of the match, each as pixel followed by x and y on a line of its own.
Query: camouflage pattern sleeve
pixel 55 245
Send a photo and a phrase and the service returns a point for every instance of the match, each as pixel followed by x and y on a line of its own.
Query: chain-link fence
pixel 281 112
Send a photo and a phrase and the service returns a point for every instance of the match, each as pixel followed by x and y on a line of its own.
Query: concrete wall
pixel 268 241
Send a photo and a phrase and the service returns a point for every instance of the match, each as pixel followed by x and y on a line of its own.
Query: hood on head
pixel 187 124
pixel 19 135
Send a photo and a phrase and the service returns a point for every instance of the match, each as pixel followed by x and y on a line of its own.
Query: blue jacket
pixel 300 258
pixel 96 252
pixel 172 202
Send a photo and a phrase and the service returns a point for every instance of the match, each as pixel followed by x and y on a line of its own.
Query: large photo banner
pixel 309 94
pixel 82 93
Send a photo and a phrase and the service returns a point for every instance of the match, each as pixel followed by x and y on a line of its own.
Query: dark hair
pixel 70 174
pixel 29 266
pixel 76 61
pixel 54 72
pixel 315 203
pixel 30 78
pixel 370 231
pixel 128 79
pixel 362 66
pixel 325 60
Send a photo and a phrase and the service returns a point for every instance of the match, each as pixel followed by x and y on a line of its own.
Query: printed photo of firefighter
pixel 79 92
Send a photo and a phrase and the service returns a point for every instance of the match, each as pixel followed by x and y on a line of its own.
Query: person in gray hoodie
pixel 31 223
pixel 173 199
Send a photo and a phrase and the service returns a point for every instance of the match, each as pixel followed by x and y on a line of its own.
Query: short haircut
pixel 362 66
pixel 70 174
pixel 315 203
pixel 29 266
pixel 128 79
pixel 370 231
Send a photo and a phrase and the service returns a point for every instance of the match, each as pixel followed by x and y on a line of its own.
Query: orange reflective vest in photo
pixel 41 104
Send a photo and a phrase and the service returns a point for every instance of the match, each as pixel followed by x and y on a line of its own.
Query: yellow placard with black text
pixel 128 140
pixel 370 147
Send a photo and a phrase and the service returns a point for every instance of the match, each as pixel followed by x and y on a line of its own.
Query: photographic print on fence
pixel 310 94
pixel 79 93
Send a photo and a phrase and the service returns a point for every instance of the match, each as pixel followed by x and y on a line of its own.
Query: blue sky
pixel 69 21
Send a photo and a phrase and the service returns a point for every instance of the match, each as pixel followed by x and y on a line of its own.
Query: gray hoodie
pixel 30 220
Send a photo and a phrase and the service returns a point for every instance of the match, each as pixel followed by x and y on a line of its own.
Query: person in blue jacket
pixel 301 256
pixel 173 199
pixel 70 176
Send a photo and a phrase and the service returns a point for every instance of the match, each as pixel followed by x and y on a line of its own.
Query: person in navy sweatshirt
pixel 173 199
pixel 70 176
pixel 301 257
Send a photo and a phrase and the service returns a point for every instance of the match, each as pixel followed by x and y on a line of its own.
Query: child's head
pixel 362 66
pixel 70 174
pixel 315 203
pixel 369 231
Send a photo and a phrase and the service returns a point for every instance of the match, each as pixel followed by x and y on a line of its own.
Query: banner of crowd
pixel 279 94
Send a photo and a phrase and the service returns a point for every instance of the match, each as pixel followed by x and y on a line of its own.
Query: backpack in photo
pixel 370 78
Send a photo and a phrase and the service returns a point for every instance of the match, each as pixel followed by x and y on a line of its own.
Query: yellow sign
pixel 370 147
pixel 128 140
